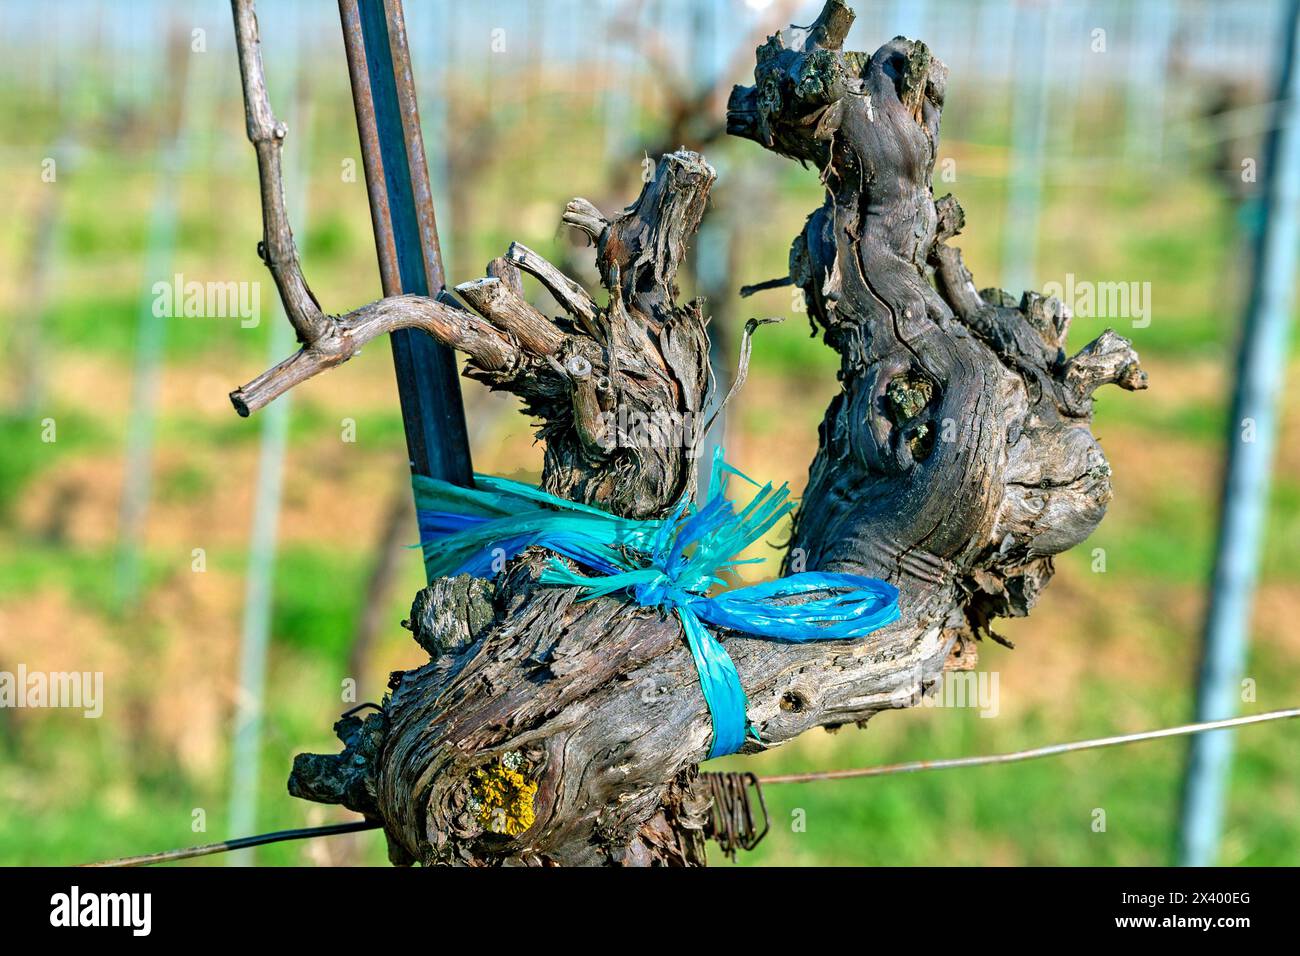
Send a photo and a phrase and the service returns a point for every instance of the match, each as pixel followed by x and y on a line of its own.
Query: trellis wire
pixel 240 843
pixel 167 856
pixel 1050 750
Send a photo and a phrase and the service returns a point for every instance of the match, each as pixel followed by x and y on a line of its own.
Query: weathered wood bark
pixel 955 462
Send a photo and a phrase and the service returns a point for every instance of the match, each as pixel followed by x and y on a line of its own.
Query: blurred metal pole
pixel 151 332
pixel 406 231
pixel 1261 363
pixel 1028 133
pixel 714 252
pixel 1073 23
pixel 49 222
pixel 909 19
pixel 618 110
pixel 259 577
pixel 1150 37
pixel 997 21
pixel 41 266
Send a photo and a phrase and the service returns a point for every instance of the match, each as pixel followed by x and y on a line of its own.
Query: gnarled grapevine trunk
pixel 956 460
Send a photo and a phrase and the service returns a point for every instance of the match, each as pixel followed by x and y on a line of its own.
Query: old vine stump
pixel 955 461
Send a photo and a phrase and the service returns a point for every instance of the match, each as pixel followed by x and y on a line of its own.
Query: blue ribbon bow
pixel 669 563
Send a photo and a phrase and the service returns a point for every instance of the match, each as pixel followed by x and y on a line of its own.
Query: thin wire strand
pixel 280 836
pixel 166 856
pixel 1048 751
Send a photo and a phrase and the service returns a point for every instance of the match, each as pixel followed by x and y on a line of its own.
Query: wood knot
pixel 793 702
pixel 908 399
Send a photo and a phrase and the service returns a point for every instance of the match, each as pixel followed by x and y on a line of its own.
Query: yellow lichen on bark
pixel 503 796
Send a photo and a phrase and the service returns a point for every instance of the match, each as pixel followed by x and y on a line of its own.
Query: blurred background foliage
pixel 138 104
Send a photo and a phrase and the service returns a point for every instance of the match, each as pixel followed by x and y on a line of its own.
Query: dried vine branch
pixel 327 340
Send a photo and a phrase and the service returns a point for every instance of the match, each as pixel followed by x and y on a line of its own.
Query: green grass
pixel 311 611
pixel 1042 812
pixel 38 442
pixel 133 790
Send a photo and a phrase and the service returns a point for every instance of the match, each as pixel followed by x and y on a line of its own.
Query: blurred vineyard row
pixel 136 120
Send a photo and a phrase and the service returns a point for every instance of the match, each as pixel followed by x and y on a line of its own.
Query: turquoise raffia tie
pixel 670 563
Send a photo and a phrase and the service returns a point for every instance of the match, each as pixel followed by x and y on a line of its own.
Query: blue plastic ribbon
pixel 669 563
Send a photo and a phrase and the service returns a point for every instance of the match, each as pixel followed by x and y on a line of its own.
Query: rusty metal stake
pixel 406 232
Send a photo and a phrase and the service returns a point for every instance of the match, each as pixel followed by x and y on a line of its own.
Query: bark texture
pixel 955 462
